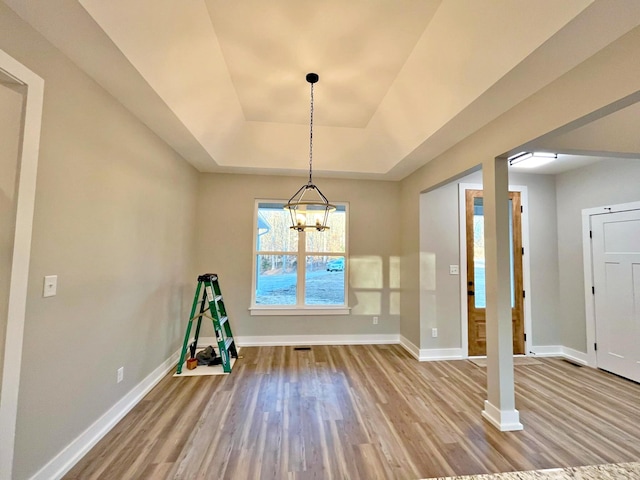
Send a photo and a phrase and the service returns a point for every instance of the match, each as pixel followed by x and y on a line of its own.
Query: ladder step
pixel 211 306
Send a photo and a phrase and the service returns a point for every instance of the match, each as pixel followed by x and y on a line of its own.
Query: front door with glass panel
pixel 476 294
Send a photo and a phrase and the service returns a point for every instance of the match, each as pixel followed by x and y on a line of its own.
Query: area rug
pixel 517 361
pixel 203 369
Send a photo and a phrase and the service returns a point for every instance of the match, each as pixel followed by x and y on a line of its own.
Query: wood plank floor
pixel 365 412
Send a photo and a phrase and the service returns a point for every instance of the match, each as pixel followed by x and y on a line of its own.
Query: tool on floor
pixel 211 306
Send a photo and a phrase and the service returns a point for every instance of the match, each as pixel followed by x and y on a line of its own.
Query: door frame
pixel 25 202
pixel 587 259
pixel 526 271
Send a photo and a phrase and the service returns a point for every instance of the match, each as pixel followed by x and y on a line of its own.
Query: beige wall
pixel 10 121
pixel 115 220
pixel 608 182
pixel 439 248
pixel 555 226
pixel 603 79
pixel 225 235
pixel 543 254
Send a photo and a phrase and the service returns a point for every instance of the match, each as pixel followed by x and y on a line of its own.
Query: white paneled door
pixel 616 277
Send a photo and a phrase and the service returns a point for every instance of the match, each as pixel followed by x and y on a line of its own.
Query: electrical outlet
pixel 375 320
pixel 120 375
pixel 454 270
pixel 434 332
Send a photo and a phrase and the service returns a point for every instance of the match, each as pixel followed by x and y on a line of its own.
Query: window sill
pixel 280 311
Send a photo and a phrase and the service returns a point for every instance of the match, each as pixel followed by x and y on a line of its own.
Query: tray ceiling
pixel 223 81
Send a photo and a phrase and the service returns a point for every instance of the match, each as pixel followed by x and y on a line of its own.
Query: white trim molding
pixel 285 340
pixel 503 420
pixel 25 204
pixel 546 350
pixel 410 347
pixel 72 453
pixel 430 354
pixel 560 351
pixel 575 356
pixel 280 312
pixel 435 354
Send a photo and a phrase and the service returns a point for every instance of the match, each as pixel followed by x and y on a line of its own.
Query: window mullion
pixel 302 267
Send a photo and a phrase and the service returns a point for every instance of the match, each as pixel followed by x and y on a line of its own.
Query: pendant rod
pixel 311 78
pixel 311 140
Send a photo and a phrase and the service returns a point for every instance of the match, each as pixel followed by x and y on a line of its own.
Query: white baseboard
pixel 410 347
pixel 546 351
pixel 430 354
pixel 575 356
pixel 503 420
pixel 560 351
pixel 433 354
pixel 72 453
pixel 282 340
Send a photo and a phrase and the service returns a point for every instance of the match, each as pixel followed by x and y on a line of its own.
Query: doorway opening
pixel 22 79
pixel 11 105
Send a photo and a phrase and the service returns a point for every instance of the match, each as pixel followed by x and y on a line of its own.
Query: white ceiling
pixel 267 46
pixel 223 81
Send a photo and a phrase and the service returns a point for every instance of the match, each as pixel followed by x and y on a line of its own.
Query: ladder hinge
pixel 593 290
pixel 595 347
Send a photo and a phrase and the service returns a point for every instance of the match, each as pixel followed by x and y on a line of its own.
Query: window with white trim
pixel 298 272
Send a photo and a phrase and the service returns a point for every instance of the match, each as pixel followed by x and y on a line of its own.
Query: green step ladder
pixel 211 306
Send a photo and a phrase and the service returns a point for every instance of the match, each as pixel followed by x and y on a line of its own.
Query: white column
pixel 499 408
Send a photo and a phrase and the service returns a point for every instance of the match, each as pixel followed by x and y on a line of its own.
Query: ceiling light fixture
pixel 311 212
pixel 532 159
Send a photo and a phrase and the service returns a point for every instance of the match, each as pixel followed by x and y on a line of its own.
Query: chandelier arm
pixel 300 190
pixel 321 195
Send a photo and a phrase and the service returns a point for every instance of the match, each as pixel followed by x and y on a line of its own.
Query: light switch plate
pixel 50 286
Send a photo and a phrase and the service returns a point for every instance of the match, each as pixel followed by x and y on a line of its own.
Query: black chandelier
pixel 312 211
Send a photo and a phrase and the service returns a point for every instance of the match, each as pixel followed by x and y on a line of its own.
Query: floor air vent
pixel 575 364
